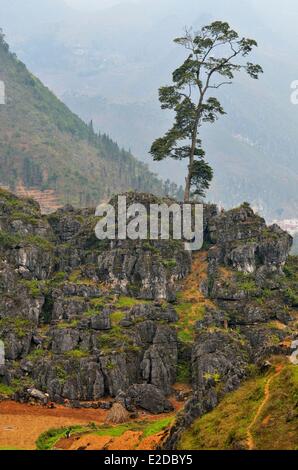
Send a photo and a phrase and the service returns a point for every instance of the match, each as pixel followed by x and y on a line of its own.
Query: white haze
pixel 107 58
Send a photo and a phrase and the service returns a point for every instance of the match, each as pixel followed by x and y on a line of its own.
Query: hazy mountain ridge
pixel 106 73
pixel 46 147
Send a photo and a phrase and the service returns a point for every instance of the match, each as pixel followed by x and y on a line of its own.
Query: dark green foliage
pixel 291 282
pixel 184 372
pixel 201 177
pixel 189 96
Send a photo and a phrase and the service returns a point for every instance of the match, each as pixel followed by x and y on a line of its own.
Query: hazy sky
pixel 95 4
pixel 273 12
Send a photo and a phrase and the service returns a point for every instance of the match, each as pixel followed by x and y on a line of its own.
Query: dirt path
pixel 250 439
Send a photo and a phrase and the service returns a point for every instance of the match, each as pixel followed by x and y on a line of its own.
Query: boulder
pixel 243 241
pixel 148 397
pixel 38 395
pixel 102 321
pixel 152 312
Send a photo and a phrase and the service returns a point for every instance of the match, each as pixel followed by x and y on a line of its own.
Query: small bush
pixel 77 354
pixel 6 390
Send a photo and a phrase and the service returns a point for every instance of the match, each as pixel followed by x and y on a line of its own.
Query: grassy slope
pixel 49 439
pixel 44 145
pixel 276 427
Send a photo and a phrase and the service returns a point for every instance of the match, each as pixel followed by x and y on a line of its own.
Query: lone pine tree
pixel 216 52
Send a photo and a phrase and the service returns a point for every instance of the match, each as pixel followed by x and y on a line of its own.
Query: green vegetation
pixel 189 313
pixel 39 242
pixel 18 325
pixel 189 97
pixel 225 427
pixel 6 390
pixel 247 283
pixel 50 438
pixel 70 324
pixel 13 203
pixel 291 297
pixel 60 373
pixel 157 426
pixel 47 147
pixel 26 218
pixel 115 339
pixel 148 246
pixel 169 263
pixel 77 354
pixel 214 377
pixel 76 278
pixel 116 317
pixel 290 283
pixel 184 372
pixel 127 302
pixel 59 277
pixel 274 428
pixel 98 302
pixel 91 312
pixel 34 287
pixel 21 383
pixel 38 354
pixel 277 426
pixel 8 240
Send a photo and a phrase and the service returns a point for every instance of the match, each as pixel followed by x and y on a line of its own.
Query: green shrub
pixel 77 353
pixel 34 287
pixel 71 324
pixel 20 326
pixel 39 242
pixel 7 240
pixel 169 263
pixel 6 390
pixel 37 354
pixel 184 372
pixel 127 302
pixel 291 297
pixel 61 373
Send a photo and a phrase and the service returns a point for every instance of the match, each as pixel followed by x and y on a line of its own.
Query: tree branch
pixel 220 84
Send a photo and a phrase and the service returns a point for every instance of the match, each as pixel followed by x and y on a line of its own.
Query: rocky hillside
pixel 48 153
pixel 260 415
pixel 83 319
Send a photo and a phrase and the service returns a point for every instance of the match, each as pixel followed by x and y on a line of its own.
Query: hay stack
pixel 117 414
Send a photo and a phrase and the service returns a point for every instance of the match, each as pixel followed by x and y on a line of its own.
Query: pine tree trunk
pixel 192 151
pixel 187 186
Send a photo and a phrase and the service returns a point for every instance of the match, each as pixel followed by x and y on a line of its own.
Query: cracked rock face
pixel 244 242
pixel 140 271
pixel 83 319
pixel 145 396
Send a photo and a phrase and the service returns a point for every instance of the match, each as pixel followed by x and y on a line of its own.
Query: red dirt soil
pixel 130 440
pixel 22 424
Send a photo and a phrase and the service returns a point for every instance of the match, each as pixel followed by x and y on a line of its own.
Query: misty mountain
pixel 49 153
pixel 107 66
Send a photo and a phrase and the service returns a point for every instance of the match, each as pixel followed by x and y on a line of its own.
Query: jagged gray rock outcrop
pixel 145 396
pixel 243 241
pixel 82 319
